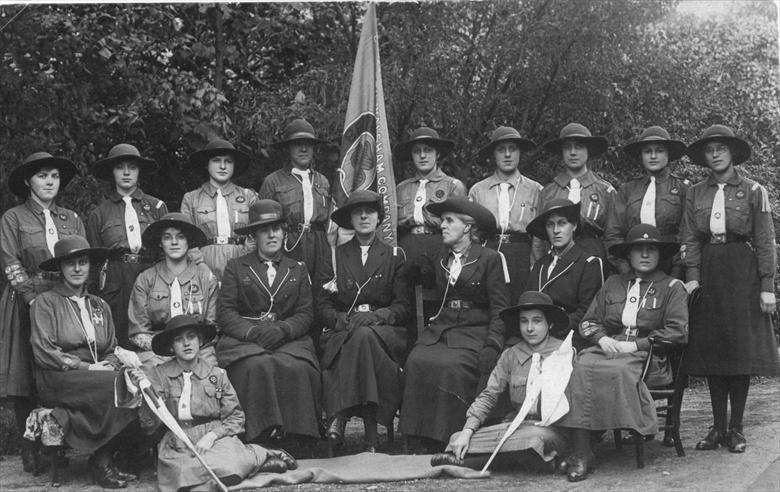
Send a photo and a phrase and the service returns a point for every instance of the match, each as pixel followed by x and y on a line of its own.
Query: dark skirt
pixel 518 262
pixel 278 390
pixel 16 377
pixel 606 392
pixel 729 335
pixel 440 383
pixel 83 403
pixel 365 370
pixel 120 278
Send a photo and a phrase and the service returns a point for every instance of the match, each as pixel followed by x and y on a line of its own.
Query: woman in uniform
pixel 364 342
pixel 219 207
pixel 656 198
pixel 465 335
pixel 28 233
pixel 117 223
pixel 729 249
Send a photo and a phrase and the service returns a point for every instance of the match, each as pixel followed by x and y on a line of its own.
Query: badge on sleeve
pixel 594 197
pixel 240 199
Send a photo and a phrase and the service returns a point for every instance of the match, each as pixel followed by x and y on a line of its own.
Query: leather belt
pixel 728 238
pixel 132 258
pixel 264 317
pixel 513 237
pixel 424 229
pixel 316 226
pixel 189 424
pixel 47 275
pixel 222 240
pixel 459 304
pixel 363 308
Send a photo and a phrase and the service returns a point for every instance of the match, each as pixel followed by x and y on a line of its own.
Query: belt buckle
pixel 502 238
pixel 418 229
pixel 268 317
pixel 362 308
pixel 130 258
pixel 221 240
pixel 456 304
pixel 718 239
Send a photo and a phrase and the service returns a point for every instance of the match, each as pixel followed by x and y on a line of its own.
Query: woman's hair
pixel 474 233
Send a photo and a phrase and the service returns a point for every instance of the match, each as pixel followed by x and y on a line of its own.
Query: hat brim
pixel 343 216
pixel 596 145
pixel 524 144
pixel 442 145
pixel 556 316
pixel 251 228
pixel 299 137
pixel 666 249
pixel 676 148
pixel 96 255
pixel 104 168
pixel 538 226
pixel 152 235
pixel 162 342
pixel 485 220
pixel 740 149
pixel 200 159
pixel 24 171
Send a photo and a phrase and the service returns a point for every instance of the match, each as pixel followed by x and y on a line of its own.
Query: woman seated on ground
pixel 534 319
pixel 175 285
pixel 465 336
pixel 211 418
pixel 606 390
pixel 73 342
pixel 365 338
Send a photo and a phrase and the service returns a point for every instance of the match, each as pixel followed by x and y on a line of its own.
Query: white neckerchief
pixel 631 308
pixel 271 273
pixel 503 205
pixel 86 319
pixel 51 230
pixel 132 227
pixel 552 266
pixel 308 197
pixel 176 302
pixel 223 216
pixel 455 267
pixel 364 254
pixel 419 202
pixel 575 190
pixel 185 401
pixel 647 212
pixel 718 214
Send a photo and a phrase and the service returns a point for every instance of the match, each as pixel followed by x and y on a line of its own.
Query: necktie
pixel 132 227
pixel 647 213
pixel 176 304
pixel 552 266
pixel 186 397
pixel 308 198
pixel 631 309
pixel 364 254
pixel 86 319
pixel 419 201
pixel 223 216
pixel 271 273
pixel 503 206
pixel 575 190
pixel 455 268
pixel 718 214
pixel 51 230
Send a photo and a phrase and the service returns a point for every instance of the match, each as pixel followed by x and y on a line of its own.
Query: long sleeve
pixel 763 237
pixel 673 326
pixel 11 257
pixel 212 293
pixel 690 251
pixel 399 310
pixel 93 229
pixel 45 321
pixel 498 296
pixel 231 416
pixel 297 325
pixel 590 283
pixel 616 229
pixel 228 316
pixel 488 398
pixel 592 325
pixel 138 309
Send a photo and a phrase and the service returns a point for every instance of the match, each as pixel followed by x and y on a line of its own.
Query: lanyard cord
pixel 91 344
pixel 359 289
pixel 509 213
pixel 271 295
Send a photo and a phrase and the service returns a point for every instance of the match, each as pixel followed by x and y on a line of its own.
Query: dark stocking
pixel 719 390
pixel 22 408
pixel 738 392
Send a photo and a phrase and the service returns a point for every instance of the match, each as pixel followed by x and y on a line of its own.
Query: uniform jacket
pixel 438 188
pixel 597 197
pixel 285 188
pixel 106 222
pixel 201 206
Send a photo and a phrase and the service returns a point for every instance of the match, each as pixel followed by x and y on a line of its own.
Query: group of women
pixel 513 267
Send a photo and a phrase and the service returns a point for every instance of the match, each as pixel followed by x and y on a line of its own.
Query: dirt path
pixel 756 470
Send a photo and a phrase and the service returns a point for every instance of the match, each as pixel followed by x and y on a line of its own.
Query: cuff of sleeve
pixel 385 315
pixel 492 342
pixel 767 284
pixel 248 336
pixel 472 424
pixel 286 329
pixel 219 430
pixel 642 344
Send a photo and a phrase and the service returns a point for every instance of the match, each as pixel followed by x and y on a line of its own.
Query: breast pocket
pixel 112 232
pixel 31 237
pixel 738 216
pixel 159 302
pixel 321 194
pixel 614 304
pixel 290 198
pixel 670 211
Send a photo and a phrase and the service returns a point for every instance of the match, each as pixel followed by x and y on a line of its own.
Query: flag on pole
pixel 366 160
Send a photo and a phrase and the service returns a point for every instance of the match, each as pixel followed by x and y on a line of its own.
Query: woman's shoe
pixel 735 441
pixel 103 474
pixel 336 428
pixel 445 459
pixel 283 455
pixel 127 477
pixel 273 464
pixel 563 466
pixel 579 468
pixel 713 440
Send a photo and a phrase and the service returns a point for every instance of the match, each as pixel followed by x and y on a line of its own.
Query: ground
pixel 758 469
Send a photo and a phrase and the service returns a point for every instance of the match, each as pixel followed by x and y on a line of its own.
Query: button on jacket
pixel 438 188
pixel 201 206
pixel 287 189
pixel 106 223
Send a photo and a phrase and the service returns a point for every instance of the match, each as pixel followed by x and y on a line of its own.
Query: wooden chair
pixel 672 393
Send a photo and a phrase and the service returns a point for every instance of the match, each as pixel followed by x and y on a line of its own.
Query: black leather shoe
pixel 735 441
pixel 445 459
pixel 630 438
pixel 668 440
pixel 103 475
pixel 273 464
pixel 579 468
pixel 563 466
pixel 30 456
pixel 713 440
pixel 336 428
pixel 126 476
pixel 283 455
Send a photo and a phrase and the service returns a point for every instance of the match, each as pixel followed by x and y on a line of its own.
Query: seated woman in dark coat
pixel 73 342
pixel 365 338
pixel 605 390
pixel 466 335
pixel 264 310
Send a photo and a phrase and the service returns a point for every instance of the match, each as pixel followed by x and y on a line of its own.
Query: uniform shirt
pixel 59 342
pixel 287 189
pixel 23 243
pixel 748 214
pixel 663 311
pixel 201 206
pixel 106 223
pixel 597 196
pixel 438 188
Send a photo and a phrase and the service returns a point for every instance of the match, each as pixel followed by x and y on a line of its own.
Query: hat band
pixel 271 216
pixel 301 136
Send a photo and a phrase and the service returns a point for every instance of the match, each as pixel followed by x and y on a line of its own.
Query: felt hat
pixel 195 235
pixel 343 216
pixel 576 131
pixel 644 234
pixel 530 299
pixel 655 134
pixel 561 206
pixel 34 163
pixel 462 205
pixel 506 134
pixel 104 168
pixel 262 212
pixel 72 247
pixel 298 129
pixel 425 135
pixel 162 342
pixel 217 147
pixel 740 149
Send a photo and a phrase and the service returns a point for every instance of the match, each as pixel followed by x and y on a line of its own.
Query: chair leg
pixel 405 444
pixel 618 439
pixel 54 462
pixel 391 434
pixel 330 448
pixel 640 450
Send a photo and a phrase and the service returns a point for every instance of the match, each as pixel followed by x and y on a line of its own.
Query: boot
pixel 102 469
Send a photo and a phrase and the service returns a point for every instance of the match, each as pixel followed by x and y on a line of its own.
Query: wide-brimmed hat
pixel 575 131
pixel 343 216
pixel 644 234
pixel 531 299
pixel 561 206
pixel 195 235
pixel 655 135
pixel 104 168
pixel 217 147
pixel 740 149
pixel 162 342
pixel 34 163
pixel 298 129
pixel 425 135
pixel 462 205
pixel 262 212
pixel 72 247
pixel 506 134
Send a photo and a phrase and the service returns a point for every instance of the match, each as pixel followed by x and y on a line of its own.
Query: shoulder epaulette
pixel 601 266
pixel 159 204
pixel 397 249
pixel 675 281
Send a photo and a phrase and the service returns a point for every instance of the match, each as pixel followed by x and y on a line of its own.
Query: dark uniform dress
pixel 626 212
pixel 363 366
pixel 441 373
pixel 277 386
pixel 730 335
pixel 573 283
pixel 83 400
pixel 22 249
pixel 415 238
pixel 106 229
pixel 605 390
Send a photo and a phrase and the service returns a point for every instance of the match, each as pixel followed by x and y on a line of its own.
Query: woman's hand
pixel 609 345
pixel 461 445
pixel 357 320
pixel 691 285
pixel 206 442
pixel 101 366
pixel 626 347
pixel 768 302
pixel 136 375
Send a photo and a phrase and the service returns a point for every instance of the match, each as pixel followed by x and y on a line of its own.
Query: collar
pixel 735 180
pixel 36 208
pixel 276 259
pixel 435 176
pixel 629 276
pixel 565 251
pixel 661 178
pixel 586 179
pixel 515 180
pixel 211 190
pixel 173 370
pixel 115 197
pixel 61 289
pixel 185 276
pixel 525 352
